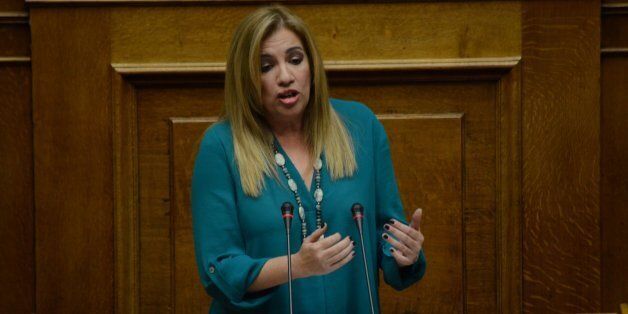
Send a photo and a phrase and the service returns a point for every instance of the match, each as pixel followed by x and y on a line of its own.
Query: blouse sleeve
pixel 389 206
pixel 226 271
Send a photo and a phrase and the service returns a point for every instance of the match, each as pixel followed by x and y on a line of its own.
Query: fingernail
pixel 387 227
pixel 353 253
pixel 353 243
pixel 385 236
pixel 392 222
pixel 392 250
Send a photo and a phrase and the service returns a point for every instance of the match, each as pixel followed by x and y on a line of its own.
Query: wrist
pixel 296 267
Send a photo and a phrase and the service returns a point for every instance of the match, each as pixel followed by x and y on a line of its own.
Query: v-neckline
pixel 294 168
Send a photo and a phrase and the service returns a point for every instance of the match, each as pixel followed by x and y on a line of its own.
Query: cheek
pixel 267 93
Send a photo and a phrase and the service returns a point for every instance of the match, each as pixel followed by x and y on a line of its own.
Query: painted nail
pixel 385 236
pixel 353 243
pixel 392 222
pixel 392 250
pixel 353 253
pixel 387 227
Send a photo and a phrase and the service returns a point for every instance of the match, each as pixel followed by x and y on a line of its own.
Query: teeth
pixel 287 95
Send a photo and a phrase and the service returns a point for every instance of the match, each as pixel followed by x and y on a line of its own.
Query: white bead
pixel 292 185
pixel 302 213
pixel 318 164
pixel 318 194
pixel 279 159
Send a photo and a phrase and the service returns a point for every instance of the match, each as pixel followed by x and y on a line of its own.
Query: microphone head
pixel 287 208
pixel 357 209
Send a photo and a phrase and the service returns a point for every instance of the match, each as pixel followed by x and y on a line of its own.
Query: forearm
pixel 274 273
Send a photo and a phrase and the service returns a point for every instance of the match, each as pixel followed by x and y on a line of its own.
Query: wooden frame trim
pixel 614 8
pixel 14 17
pixel 14 60
pixel 179 3
pixel 614 52
pixel 505 72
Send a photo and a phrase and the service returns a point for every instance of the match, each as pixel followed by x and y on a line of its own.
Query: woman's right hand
pixel 322 256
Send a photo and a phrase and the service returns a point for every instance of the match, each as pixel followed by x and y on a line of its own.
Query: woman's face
pixel 285 77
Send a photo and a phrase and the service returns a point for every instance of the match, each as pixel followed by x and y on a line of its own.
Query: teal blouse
pixel 235 234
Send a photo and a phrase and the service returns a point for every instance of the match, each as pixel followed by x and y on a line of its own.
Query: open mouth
pixel 287 95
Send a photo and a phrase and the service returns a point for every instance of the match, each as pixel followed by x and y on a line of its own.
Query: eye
pixel 296 60
pixel 266 67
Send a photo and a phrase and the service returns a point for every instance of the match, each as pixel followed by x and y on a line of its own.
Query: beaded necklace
pixel 318 192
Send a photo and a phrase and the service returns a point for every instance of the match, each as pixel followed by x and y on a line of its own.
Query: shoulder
pixel 217 138
pixel 352 110
pixel 359 119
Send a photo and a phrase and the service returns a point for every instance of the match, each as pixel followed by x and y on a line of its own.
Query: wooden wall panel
pixel 188 293
pixel 17 265
pixel 427 153
pixel 614 154
pixel 73 161
pixel 561 156
pixel 343 31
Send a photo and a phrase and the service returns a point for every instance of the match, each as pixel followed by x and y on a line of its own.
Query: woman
pixel 283 139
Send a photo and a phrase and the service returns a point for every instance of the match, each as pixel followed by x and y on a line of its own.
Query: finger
pixel 415 223
pixel 337 247
pixel 327 242
pixel 406 250
pixel 400 258
pixel 343 261
pixel 342 254
pixel 316 234
pixel 411 242
pixel 411 232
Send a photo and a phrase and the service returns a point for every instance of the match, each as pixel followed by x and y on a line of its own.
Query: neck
pixel 287 131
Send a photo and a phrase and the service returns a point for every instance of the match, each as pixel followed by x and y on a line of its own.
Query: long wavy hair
pixel 252 137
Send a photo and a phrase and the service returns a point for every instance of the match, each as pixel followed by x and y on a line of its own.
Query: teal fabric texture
pixel 234 234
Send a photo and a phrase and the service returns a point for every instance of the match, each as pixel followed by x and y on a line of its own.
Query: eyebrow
pixel 289 50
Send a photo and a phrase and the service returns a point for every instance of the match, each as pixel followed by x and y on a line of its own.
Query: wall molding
pixel 340 70
pixel 152 3
pixel 15 60
pixel 14 17
pixel 614 52
pixel 614 8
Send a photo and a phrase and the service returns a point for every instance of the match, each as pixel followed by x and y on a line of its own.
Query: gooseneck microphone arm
pixel 357 210
pixel 286 213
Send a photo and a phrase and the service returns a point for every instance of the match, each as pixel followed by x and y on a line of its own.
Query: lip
pixel 289 101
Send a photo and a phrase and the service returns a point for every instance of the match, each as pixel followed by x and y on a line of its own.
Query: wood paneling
pixel 343 31
pixel 73 160
pixel 17 205
pixel 17 265
pixel 15 34
pixel 427 153
pixel 561 177
pixel 12 6
pixel 188 293
pixel 614 154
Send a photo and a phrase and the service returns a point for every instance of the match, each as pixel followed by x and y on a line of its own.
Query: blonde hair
pixel 252 137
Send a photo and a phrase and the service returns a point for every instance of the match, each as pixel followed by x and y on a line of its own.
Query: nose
pixel 285 77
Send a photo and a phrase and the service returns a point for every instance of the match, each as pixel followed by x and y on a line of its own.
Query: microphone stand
pixel 286 212
pixel 357 210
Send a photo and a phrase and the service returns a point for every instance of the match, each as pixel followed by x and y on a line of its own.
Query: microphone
pixel 286 213
pixel 357 210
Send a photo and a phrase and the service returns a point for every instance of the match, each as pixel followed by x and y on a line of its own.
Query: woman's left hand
pixel 409 239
